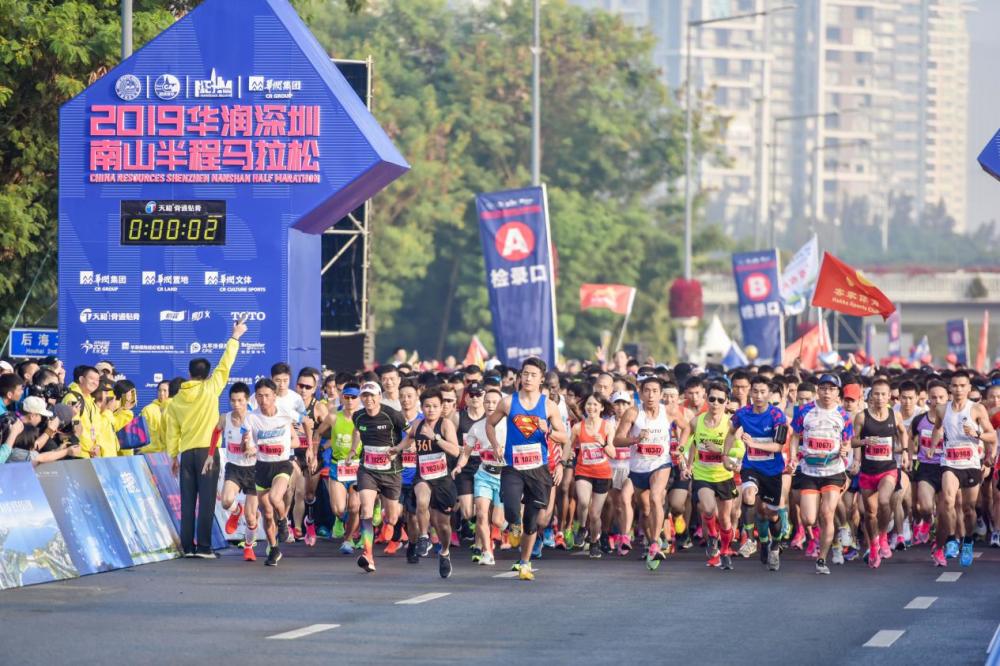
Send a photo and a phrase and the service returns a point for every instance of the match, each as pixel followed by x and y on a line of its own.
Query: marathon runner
pixel 966 428
pixel 307 456
pixel 465 470
pixel 820 445
pixel 377 430
pixel 621 486
pixel 486 481
pixel 707 458
pixel 928 476
pixel 341 484
pixel 526 477
pixel 593 440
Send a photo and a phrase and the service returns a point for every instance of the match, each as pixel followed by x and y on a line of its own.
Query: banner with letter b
pixel 517 251
pixel 759 297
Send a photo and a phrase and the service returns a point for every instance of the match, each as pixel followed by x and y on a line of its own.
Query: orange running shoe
pixel 392 547
pixel 248 554
pixel 234 520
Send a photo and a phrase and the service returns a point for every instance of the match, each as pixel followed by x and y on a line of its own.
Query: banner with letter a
pixel 517 251
pixel 759 296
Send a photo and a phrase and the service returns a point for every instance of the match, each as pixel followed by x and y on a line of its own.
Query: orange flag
pixel 813 342
pixel 845 289
pixel 476 354
pixel 615 297
pixel 982 357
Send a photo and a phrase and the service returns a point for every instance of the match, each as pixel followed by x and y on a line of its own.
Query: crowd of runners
pixel 637 462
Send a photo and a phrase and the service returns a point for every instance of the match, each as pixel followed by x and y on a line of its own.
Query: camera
pixel 7 419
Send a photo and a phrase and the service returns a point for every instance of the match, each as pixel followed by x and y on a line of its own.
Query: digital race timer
pixel 172 222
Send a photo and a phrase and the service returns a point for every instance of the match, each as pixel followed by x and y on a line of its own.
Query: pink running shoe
pixel 883 547
pixel 454 540
pixel 799 539
pixel 813 549
pixel 624 545
pixel 310 537
pixel 874 558
pixel 937 555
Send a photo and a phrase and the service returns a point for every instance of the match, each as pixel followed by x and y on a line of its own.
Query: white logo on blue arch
pixel 128 87
pixel 150 207
pixel 167 86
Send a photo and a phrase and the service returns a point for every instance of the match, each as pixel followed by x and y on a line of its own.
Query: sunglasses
pixel 475 394
pixel 448 400
pixel 718 401
pixel 307 387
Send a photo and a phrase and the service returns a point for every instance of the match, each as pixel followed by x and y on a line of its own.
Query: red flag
pixel 476 354
pixel 814 342
pixel 982 358
pixel 847 290
pixel 615 297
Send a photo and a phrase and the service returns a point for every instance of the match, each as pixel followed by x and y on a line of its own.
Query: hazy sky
pixel 984 107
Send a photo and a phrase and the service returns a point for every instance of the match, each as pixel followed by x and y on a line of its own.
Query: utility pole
pixel 536 101
pixel 126 28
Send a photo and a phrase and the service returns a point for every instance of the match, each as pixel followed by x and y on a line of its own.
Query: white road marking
pixel 976 555
pixel 884 638
pixel 920 603
pixel 423 598
pixel 996 634
pixel 304 631
pixel 506 574
pixel 949 577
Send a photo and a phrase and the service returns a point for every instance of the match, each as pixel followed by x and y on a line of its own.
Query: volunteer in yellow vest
pixel 86 380
pixel 102 423
pixel 703 457
pixel 190 420
pixel 153 414
pixel 125 402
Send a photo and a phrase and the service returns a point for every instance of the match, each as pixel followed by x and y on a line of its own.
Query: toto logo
pixel 515 241
pixel 757 286
pixel 249 315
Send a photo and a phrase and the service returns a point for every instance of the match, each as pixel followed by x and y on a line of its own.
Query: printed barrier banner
pixel 32 548
pixel 137 506
pixel 170 491
pixel 83 514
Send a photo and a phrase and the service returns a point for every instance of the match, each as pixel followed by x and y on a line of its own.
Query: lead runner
pixel 531 417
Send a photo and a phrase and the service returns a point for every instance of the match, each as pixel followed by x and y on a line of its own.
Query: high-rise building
pixel 868 102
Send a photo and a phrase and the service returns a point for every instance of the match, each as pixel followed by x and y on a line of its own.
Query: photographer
pixel 38 442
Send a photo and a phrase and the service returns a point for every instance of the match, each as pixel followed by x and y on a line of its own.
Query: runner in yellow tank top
pixel 712 469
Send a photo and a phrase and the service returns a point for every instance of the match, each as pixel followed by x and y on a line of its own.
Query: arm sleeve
pixel 221 374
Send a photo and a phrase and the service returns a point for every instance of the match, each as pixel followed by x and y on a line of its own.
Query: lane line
pixel 423 598
pixel 920 603
pixel 993 641
pixel 884 638
pixel 976 555
pixel 506 574
pixel 304 631
pixel 949 577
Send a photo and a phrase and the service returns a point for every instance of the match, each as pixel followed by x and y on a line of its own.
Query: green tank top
pixel 341 436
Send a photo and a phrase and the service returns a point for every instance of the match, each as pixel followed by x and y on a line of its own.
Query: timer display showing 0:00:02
pixel 173 231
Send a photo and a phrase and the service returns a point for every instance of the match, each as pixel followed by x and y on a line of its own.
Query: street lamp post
pixel 688 132
pixel 536 98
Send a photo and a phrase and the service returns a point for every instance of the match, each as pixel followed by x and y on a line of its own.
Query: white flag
pixel 799 278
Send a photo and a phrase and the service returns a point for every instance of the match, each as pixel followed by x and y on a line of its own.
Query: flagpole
pixel 628 313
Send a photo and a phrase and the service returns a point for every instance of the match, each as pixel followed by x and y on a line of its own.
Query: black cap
pixel 475 388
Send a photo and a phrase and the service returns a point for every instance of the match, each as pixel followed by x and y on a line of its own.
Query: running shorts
pixel 931 474
pixel 465 481
pixel 641 479
pixel 598 486
pixel 266 472
pixel 619 475
pixel 870 482
pixel 408 499
pixel 724 490
pixel 244 476
pixel 967 478
pixel 386 485
pixel 443 494
pixel 487 486
pixel 818 484
pixel 768 487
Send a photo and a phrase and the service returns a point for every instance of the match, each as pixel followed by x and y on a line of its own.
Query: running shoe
pixel 687 544
pixel 323 532
pixel 624 545
pixel 900 542
pixel 605 544
pixel 712 548
pixel 423 546
pixel 851 554
pixel 338 529
pixel 487 560
pixel 310 537
pixel 568 539
pixel 727 563
pixel 297 534
pixel 874 558
pixel 505 540
pixel 821 567
pixel 548 538
pixel 455 540
pixel 800 538
pixel 981 527
pixel 844 536
pixel 536 550
pixel 525 572
pixel 773 559
pixel 347 548
pixel 477 554
pixel 679 525
pixel 995 540
pixel 273 556
pixel 651 562
pixel 248 554
pixel 714 561
pixel 559 541
pixel 661 550
pixel 883 547
pixel 233 521
pixel 595 551
pixel 580 538
pixel 812 550
pixel 951 549
pixel 366 564
pixel 654 551
pixel 937 555
pixel 392 547
pixel 515 536
pixel 411 553
pixel 837 555
pixel 283 535
pixel 748 548
pixel 967 555
pixel 765 550
pixel 444 566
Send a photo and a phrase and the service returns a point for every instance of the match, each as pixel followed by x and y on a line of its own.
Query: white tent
pixel 715 342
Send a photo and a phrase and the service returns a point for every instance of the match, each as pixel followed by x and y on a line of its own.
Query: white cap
pixel 6 367
pixel 371 387
pixel 621 396
pixel 35 405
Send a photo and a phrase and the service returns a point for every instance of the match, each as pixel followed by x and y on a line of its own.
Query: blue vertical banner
pixel 895 325
pixel 957 333
pixel 759 297
pixel 517 251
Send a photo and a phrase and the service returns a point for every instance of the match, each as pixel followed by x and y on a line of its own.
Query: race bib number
pixel 591 454
pixel 409 459
pixel 927 444
pixel 433 466
pixel 759 455
pixel 821 444
pixel 303 442
pixel 377 458
pixel 527 456
pixel 649 450
pixel 709 457
pixel 623 453
pixel 959 453
pixel 347 472
pixel 271 449
pixel 236 448
pixel 878 448
pixel 488 457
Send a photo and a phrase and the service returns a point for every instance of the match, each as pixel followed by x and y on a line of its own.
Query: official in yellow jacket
pixel 189 420
pixel 153 414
